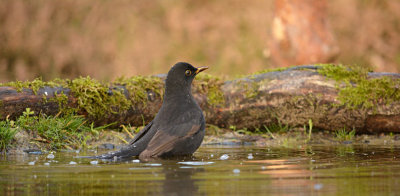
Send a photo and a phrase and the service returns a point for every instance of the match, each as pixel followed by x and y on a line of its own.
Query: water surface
pixel 215 170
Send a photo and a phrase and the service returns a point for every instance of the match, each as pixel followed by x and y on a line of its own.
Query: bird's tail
pixel 123 153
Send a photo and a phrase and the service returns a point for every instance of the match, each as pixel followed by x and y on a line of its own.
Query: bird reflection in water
pixel 178 179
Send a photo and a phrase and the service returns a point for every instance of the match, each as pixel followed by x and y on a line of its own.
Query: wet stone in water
pixel 224 157
pixel 195 163
pixel 50 156
pixel 94 162
pixel 236 171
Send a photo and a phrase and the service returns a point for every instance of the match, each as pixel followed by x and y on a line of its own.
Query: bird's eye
pixel 188 72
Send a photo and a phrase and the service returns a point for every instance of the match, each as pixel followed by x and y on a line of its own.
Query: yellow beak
pixel 200 69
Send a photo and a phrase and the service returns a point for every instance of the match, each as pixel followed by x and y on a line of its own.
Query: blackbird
pixel 178 127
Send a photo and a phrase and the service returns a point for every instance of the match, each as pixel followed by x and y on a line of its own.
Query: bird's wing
pixel 164 140
pixel 128 151
pixel 141 133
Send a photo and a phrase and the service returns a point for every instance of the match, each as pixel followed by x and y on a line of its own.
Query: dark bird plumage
pixel 178 127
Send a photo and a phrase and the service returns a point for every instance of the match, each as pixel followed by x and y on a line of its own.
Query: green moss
pixel 211 86
pixel 215 96
pixel 17 85
pixel 139 86
pixel 293 67
pixel 251 90
pixel 342 73
pixel 356 90
pixel 62 100
pixel 96 98
pixel 271 70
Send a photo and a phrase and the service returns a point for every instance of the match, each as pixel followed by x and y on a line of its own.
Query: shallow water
pixel 215 170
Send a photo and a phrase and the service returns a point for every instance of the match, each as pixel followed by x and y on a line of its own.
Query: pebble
pixel 263 167
pixel 195 163
pixel 50 156
pixel 94 162
pixel 250 156
pixel 47 164
pixel 236 171
pixel 154 164
pixel 224 157
pixel 31 163
pixel 106 146
pixel 72 163
pixel 347 142
pixel 318 186
pixel 33 151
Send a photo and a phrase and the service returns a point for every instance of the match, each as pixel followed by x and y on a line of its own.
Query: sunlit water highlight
pixel 325 170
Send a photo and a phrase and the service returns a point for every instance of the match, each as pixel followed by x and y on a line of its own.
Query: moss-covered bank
pixel 332 96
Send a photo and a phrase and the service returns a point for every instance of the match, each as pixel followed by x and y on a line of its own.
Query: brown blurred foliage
pixel 367 32
pixel 107 39
pixel 301 33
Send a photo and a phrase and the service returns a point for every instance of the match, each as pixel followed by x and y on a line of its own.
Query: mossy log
pixel 332 97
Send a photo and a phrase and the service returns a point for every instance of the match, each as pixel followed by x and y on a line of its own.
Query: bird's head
pixel 180 77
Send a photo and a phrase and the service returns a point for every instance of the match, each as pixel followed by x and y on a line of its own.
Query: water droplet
pixel 236 171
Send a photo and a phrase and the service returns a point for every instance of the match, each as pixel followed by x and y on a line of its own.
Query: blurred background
pixel 107 39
